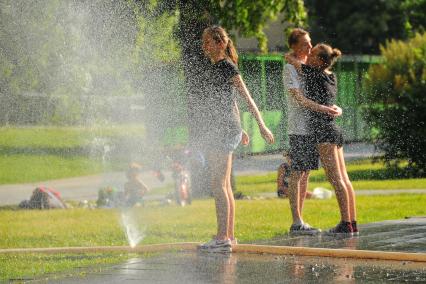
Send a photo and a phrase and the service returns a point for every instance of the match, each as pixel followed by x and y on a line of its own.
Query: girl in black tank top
pixel 222 130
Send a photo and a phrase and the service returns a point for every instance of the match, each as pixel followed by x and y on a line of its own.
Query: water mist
pixel 105 66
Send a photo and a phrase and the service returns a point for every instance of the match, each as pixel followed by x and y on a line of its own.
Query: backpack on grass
pixel 43 198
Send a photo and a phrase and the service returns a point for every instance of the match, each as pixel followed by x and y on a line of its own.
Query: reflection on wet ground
pixel 191 267
pixel 407 235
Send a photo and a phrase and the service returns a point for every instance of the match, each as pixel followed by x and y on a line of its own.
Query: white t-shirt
pixel 297 115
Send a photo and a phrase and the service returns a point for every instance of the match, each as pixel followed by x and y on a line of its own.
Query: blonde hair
pixel 327 54
pixel 218 34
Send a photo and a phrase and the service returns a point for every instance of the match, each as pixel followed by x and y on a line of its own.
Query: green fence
pixel 264 78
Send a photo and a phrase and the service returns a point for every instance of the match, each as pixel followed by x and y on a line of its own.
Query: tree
pixel 395 101
pixel 359 27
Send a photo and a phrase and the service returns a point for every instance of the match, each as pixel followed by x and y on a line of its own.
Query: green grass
pixel 30 154
pixel 32 168
pixel 255 220
pixel 62 137
pixel 42 153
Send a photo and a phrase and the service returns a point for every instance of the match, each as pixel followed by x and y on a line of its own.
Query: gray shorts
pixel 222 142
pixel 303 153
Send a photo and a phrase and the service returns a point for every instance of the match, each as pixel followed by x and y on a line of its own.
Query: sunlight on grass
pixel 62 137
pixel 255 220
pixel 31 168
pixel 30 154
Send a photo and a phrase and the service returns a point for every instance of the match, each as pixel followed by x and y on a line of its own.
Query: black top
pixel 218 99
pixel 321 88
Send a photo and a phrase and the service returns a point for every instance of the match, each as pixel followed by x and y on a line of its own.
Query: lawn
pixel 30 154
pixel 255 220
pixel 36 154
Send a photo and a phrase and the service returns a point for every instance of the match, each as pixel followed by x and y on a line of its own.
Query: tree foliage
pixel 359 27
pixel 58 58
pixel 247 18
pixel 395 101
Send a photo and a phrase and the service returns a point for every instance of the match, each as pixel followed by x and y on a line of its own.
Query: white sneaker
pixel 216 246
pixel 234 241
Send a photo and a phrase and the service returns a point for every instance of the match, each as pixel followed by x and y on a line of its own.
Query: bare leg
pixel 348 184
pixel 294 196
pixel 220 175
pixel 303 189
pixel 231 201
pixel 330 160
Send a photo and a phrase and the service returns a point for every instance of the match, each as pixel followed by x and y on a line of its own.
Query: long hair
pixel 327 54
pixel 218 34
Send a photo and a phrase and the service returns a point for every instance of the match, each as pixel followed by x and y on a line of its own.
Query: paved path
pixel 407 235
pixel 364 192
pixel 258 164
pixel 86 188
pixel 79 188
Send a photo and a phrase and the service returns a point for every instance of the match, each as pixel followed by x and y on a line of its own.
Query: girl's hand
pixel 267 135
pixel 245 139
pixel 333 111
pixel 338 110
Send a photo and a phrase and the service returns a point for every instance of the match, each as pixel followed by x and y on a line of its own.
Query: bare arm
pixel 289 57
pixel 143 186
pixel 294 89
pixel 238 82
pixel 313 106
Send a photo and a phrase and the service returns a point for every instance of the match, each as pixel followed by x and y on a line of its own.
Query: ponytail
pixel 327 54
pixel 231 52
pixel 219 34
pixel 336 53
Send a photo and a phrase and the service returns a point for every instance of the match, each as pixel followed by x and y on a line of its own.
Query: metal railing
pixel 263 75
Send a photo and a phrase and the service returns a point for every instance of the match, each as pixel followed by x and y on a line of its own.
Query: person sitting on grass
pixel 134 188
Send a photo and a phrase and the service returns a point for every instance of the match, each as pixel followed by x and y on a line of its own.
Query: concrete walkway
pixel 87 187
pixel 407 235
pixel 363 192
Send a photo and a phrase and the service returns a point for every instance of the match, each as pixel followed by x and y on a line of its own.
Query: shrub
pixel 395 102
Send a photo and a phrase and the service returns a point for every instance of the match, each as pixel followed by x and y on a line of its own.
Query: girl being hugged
pixel 321 87
pixel 221 128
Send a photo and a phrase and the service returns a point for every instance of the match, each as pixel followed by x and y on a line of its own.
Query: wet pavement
pixel 407 235
pixel 193 267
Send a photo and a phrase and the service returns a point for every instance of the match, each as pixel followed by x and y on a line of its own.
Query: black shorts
pixel 303 153
pixel 328 133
